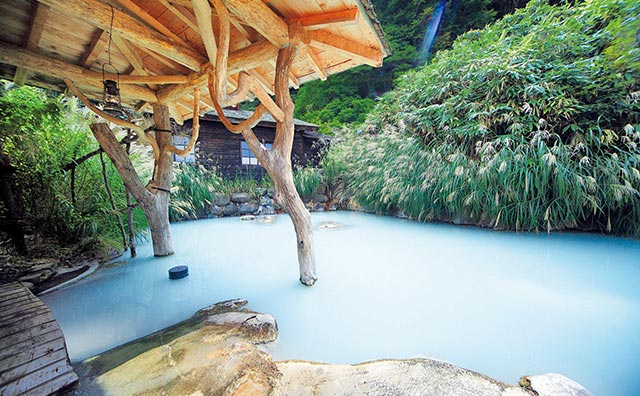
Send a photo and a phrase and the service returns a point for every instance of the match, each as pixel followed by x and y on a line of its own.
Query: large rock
pixel 248 207
pixel 220 199
pixel 240 197
pixel 552 384
pixel 230 210
pixel 217 210
pixel 414 377
pixel 260 328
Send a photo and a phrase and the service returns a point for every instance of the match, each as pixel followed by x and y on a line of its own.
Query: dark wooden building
pixel 229 154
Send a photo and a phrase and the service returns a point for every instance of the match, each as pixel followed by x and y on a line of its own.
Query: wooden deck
pixel 33 354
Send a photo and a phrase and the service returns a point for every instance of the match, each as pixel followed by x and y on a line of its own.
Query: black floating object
pixel 178 272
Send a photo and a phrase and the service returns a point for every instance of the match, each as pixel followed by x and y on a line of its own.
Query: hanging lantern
pixel 111 102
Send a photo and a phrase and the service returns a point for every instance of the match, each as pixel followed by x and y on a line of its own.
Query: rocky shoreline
pixel 218 352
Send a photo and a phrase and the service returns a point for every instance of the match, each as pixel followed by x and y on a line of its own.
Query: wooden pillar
pixel 159 218
pixel 155 200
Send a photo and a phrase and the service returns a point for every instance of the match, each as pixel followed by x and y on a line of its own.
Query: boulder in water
pixel 552 384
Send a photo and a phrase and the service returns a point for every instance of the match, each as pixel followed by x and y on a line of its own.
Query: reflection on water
pixel 499 303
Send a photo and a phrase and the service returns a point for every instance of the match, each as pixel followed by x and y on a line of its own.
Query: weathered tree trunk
pixel 159 217
pixel 154 201
pixel 132 235
pixel 277 162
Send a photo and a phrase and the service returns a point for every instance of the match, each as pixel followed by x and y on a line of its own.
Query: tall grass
pixel 529 124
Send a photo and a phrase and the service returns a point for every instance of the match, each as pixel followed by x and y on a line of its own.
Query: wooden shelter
pixel 184 57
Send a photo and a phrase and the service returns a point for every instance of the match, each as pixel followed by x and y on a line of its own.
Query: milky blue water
pixel 500 303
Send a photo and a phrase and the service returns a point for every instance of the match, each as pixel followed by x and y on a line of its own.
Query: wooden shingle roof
pixel 161 54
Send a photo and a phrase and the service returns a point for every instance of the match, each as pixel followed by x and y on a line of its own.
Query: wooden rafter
pixel 348 48
pixel 33 38
pixel 314 61
pixel 142 14
pixel 329 19
pixel 21 57
pixel 132 56
pixel 183 14
pixel 259 16
pixel 97 45
pixel 202 11
pixel 99 15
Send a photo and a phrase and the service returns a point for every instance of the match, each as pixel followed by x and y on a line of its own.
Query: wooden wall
pixel 220 149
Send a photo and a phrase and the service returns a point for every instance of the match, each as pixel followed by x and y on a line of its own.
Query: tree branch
pixel 144 136
pixel 196 127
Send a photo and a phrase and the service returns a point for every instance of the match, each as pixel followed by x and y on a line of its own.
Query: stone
pixel 330 226
pixel 308 205
pixel 271 192
pixel 248 207
pixel 552 384
pixel 247 217
pixel 259 327
pixel 223 306
pixel 240 197
pixel 37 277
pixel 410 377
pixel 28 285
pixel 321 198
pixel 220 199
pixel 44 267
pixel 217 210
pixel 266 201
pixel 230 210
pixel 266 219
pixel 267 210
pixel 318 207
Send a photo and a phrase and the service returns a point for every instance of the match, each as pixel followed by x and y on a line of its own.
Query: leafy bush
pixel 529 124
pixel 307 180
pixel 40 133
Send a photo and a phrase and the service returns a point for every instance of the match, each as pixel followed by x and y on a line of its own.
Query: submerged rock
pixel 260 328
pixel 552 384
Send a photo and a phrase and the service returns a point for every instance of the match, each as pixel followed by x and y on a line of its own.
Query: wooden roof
pixel 160 53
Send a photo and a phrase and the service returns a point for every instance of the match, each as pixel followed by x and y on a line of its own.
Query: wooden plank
pixel 18 309
pixel 41 376
pixel 26 345
pixel 30 333
pixel 31 365
pixel 23 324
pixel 36 310
pixel 32 353
pixel 53 386
pixel 14 298
pixel 202 9
pixel 99 15
pixel 181 13
pixel 35 33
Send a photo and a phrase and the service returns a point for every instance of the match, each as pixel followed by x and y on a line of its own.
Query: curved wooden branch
pixel 145 137
pixel 235 128
pixel 246 82
pixel 196 127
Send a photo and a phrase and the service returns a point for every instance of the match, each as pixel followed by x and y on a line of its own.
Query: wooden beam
pixel 99 14
pixel 98 43
pixel 133 79
pixel 142 14
pixel 329 19
pixel 348 48
pixel 266 84
pixel 33 39
pixel 21 57
pixel 202 9
pixel 314 61
pixel 184 15
pixel 241 60
pixel 260 17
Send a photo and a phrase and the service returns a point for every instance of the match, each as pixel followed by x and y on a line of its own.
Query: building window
pixel 181 143
pixel 248 158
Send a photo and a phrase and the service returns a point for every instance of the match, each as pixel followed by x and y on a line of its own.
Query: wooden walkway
pixel 33 354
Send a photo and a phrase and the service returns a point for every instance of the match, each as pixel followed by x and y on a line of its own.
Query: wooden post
pixel 154 203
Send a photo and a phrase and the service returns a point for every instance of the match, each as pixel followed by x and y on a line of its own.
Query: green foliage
pixel 307 180
pixel 347 98
pixel 529 124
pixel 191 191
pixel 41 132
